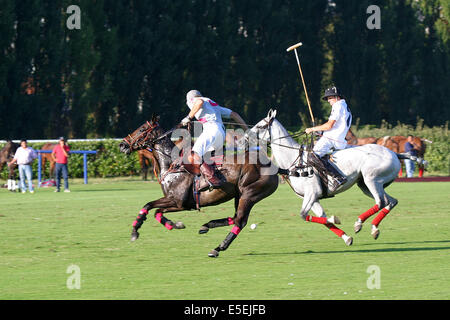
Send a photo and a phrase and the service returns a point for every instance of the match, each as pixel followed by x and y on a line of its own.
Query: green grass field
pixel 284 258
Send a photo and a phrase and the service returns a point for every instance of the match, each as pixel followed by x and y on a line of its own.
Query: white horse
pixel 371 166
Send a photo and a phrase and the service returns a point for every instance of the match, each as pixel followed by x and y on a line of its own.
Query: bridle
pixel 297 163
pixel 140 141
pixel 267 126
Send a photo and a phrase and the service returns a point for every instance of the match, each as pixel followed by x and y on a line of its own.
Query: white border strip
pixel 68 140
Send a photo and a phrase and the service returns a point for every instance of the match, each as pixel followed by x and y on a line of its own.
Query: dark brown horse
pixel 246 183
pixel 397 144
pixel 6 155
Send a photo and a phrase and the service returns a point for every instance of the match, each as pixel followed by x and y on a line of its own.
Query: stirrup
pixel 336 183
pixel 214 186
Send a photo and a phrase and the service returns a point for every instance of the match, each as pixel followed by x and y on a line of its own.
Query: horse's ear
pixel 272 114
pixel 155 118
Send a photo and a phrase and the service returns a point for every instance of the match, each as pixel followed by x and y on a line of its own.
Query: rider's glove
pixel 185 121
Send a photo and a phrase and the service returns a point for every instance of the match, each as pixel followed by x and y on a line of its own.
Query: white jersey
pixel 213 131
pixel 340 112
pixel 335 137
pixel 211 112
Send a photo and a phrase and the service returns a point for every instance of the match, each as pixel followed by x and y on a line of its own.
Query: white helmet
pixel 190 97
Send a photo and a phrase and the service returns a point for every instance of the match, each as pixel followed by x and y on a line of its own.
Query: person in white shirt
pixel 24 156
pixel 335 130
pixel 210 114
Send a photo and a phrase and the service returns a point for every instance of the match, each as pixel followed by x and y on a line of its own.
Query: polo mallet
pixel 294 47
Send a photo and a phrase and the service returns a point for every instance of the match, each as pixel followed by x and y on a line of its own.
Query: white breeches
pixel 324 146
pixel 212 138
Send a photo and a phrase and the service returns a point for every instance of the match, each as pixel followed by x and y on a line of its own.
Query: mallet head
pixel 295 46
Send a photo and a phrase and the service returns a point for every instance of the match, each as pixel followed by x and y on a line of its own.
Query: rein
pixel 268 126
pixel 300 150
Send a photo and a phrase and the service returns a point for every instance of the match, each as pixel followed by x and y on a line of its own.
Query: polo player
pixel 210 114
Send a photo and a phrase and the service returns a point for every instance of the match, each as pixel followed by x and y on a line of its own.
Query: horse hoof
pixel 349 241
pixel 213 254
pixel 134 236
pixel 375 233
pixel 358 226
pixel 334 220
pixel 179 225
pixel 203 229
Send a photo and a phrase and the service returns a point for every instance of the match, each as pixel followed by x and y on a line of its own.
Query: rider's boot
pixel 338 179
pixel 325 168
pixel 210 175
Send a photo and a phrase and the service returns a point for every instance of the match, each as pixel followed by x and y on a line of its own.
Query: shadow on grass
pixel 391 249
pixel 406 242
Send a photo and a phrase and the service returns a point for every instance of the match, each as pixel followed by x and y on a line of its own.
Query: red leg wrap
pixel 369 213
pixel 316 219
pixel 164 221
pixel 235 230
pixel 335 229
pixel 380 217
pixel 142 215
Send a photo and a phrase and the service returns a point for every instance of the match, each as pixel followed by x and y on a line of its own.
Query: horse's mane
pixel 288 140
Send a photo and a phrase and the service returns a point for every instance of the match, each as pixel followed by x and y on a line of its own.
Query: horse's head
pixel 262 129
pixel 142 137
pixel 8 150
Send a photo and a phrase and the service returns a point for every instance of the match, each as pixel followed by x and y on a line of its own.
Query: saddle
pixel 326 169
pixel 201 182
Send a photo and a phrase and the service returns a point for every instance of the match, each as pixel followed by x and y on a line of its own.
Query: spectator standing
pixel 60 155
pixel 24 157
pixel 411 149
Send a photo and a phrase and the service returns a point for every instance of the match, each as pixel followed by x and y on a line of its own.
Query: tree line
pixel 131 59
